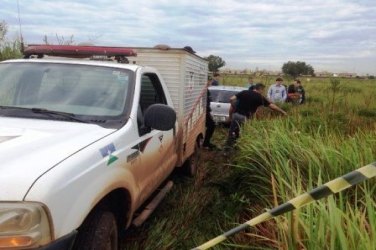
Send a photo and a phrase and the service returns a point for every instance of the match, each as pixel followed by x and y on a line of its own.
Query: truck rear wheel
pixel 99 232
pixel 190 166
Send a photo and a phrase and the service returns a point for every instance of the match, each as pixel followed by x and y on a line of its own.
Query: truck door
pixel 157 152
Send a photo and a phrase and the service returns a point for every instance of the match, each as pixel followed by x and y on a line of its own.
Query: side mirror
pixel 160 117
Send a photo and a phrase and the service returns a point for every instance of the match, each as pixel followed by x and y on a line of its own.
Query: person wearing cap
pixel 277 92
pixel 247 103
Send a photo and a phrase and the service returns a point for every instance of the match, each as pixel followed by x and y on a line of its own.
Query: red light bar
pixel 77 51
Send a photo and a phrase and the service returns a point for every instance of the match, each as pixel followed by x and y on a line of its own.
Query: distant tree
pixel 295 69
pixel 215 62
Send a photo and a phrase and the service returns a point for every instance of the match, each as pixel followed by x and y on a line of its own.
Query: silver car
pixel 220 101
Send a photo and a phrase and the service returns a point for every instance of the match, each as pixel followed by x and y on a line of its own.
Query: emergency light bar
pixel 76 51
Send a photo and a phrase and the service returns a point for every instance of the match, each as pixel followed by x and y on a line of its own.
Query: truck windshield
pixel 89 92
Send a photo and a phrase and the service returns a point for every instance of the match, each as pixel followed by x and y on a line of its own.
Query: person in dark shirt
pixel 292 95
pixel 209 122
pixel 215 81
pixel 246 103
pixel 296 93
pixel 300 90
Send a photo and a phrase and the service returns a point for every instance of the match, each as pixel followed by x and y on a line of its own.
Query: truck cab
pixel 83 144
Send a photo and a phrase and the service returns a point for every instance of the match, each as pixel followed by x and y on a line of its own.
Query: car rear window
pixel 222 96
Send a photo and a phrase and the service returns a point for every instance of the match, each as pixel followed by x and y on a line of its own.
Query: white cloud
pixel 246 34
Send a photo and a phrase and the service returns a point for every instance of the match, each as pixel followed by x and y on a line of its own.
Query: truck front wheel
pixel 98 232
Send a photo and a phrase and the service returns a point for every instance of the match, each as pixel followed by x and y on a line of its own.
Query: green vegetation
pixel 316 143
pixel 284 158
pixel 277 159
pixel 295 69
pixel 214 63
pixel 8 50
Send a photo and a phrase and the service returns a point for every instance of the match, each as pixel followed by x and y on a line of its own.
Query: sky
pixel 330 35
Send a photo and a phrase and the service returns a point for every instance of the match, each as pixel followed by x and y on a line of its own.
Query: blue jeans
pixel 234 131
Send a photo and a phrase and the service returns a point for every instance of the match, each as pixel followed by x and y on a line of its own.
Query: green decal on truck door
pixel 108 151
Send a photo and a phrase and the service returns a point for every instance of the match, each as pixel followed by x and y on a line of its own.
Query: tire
pixel 98 232
pixel 191 165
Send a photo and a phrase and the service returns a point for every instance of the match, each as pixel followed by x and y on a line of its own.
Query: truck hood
pixel 29 148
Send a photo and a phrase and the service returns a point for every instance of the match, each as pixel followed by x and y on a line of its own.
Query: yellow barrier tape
pixel 325 190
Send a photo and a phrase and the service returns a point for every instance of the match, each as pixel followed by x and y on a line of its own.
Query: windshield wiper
pixel 69 116
pixel 13 107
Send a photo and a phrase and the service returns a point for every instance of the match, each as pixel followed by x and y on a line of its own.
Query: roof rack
pixel 77 51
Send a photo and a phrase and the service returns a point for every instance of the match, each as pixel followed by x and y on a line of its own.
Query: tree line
pixel 293 69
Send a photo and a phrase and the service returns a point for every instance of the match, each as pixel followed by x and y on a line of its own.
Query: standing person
pixel 209 122
pixel 292 94
pixel 247 103
pixel 215 81
pixel 277 92
pixel 299 88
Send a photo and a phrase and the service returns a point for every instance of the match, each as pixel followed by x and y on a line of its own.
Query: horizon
pixel 333 36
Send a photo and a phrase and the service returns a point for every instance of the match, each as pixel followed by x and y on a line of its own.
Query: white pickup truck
pixel 85 143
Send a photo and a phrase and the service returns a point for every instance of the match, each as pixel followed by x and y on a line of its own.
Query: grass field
pixel 278 158
pixel 332 134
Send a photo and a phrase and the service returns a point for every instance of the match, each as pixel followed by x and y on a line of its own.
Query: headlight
pixel 23 225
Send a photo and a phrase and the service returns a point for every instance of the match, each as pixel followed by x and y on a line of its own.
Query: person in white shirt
pixel 277 92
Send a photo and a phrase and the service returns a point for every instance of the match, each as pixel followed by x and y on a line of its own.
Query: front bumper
pixel 63 243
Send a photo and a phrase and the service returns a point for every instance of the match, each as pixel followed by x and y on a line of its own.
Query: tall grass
pixel 277 159
pixel 280 158
pixel 10 50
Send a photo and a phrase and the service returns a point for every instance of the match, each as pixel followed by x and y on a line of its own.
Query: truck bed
pixel 185 75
